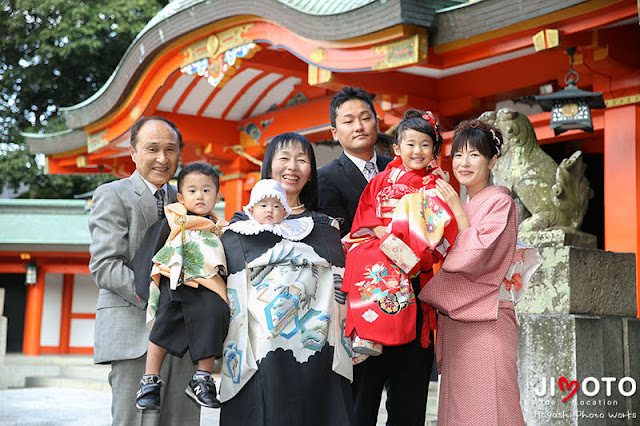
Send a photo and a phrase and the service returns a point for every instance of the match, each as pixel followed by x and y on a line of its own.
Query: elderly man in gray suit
pixel 121 213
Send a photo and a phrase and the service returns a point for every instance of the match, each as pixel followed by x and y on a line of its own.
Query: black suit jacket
pixel 340 185
pixel 153 240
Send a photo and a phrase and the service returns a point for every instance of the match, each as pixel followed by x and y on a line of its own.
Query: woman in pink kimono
pixel 477 339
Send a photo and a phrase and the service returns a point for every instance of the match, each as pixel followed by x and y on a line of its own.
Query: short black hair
pixel 413 119
pixel 135 129
pixel 201 169
pixel 349 93
pixel 477 134
pixel 309 193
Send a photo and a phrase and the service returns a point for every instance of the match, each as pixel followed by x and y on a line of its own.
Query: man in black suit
pixel 404 370
pixel 354 124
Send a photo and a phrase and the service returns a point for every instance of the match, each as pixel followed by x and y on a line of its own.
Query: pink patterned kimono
pixel 477 340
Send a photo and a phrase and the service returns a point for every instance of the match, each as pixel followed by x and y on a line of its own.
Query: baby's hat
pixel 267 188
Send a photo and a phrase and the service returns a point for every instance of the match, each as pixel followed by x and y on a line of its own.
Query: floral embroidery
pixel 431 204
pixel 376 272
pixel 389 287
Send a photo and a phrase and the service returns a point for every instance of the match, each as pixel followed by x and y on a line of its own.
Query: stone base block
pixel 579 370
pixel 573 280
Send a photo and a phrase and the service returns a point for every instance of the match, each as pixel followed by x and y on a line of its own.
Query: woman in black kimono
pixel 286 360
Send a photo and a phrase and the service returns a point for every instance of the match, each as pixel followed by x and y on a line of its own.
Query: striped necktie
pixel 370 171
pixel 160 202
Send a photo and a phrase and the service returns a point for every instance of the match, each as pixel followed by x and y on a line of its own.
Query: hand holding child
pixel 380 231
pixel 453 201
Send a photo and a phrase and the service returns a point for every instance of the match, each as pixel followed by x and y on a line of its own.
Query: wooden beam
pixel 313 114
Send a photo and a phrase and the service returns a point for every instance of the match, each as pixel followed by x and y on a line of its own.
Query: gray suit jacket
pixel 121 212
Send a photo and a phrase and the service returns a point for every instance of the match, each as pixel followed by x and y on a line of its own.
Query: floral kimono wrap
pixel 382 303
pixel 286 360
pixel 192 255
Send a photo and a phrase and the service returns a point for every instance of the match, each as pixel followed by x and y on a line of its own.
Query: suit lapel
pixel 146 200
pixel 351 173
pixel 382 163
pixel 173 194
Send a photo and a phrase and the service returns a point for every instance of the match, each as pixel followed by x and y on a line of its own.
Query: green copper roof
pixel 325 7
pixel 48 225
pixel 44 222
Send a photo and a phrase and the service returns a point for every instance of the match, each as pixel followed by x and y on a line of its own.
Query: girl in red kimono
pixel 477 341
pixel 399 222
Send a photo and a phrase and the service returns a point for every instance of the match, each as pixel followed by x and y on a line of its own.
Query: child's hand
pixel 219 220
pixel 380 231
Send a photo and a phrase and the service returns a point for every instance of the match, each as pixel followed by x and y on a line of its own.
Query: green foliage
pixel 20 173
pixel 56 53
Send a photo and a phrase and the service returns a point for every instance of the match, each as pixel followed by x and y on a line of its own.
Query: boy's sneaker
pixel 148 395
pixel 202 389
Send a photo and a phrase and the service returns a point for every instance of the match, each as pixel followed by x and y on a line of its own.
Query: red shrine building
pixel 232 75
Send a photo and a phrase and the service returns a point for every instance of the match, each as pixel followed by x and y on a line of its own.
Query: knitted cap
pixel 267 188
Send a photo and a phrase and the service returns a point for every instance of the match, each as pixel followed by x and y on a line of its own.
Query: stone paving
pixel 64 400
pixel 54 406
pixel 65 406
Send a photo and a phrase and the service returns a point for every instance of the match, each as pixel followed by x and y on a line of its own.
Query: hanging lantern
pixel 571 107
pixel 32 273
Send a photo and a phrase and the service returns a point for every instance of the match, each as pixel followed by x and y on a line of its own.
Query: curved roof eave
pixel 179 18
pixel 52 143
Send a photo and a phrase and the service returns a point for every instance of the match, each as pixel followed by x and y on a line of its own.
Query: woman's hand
pixel 380 231
pixel 439 172
pixel 453 201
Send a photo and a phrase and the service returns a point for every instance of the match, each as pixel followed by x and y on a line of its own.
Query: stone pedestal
pixel 577 280
pixel 589 352
pixel 579 332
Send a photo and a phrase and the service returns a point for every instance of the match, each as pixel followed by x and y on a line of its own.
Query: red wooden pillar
pixel 65 316
pixel 622 182
pixel 232 186
pixel 33 316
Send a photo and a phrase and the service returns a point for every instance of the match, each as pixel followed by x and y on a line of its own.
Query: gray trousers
pixel 176 407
